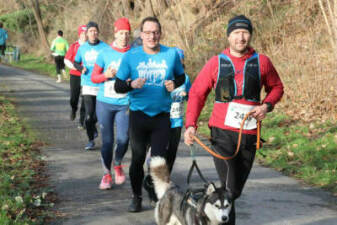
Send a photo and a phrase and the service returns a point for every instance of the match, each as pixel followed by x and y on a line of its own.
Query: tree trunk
pixel 126 7
pixel 37 14
pixel 149 9
pixel 161 6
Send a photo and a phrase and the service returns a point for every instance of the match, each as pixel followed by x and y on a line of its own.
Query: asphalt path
pixel 269 197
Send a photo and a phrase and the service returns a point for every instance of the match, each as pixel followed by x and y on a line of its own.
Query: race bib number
pixel 235 114
pixel 89 90
pixel 177 110
pixel 109 90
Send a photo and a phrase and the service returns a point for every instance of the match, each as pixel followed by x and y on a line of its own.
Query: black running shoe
pixel 136 204
pixel 148 186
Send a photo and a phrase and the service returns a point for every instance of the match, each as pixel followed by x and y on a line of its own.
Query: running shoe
pixel 59 80
pixel 106 182
pixel 90 145
pixel 119 174
pixel 136 204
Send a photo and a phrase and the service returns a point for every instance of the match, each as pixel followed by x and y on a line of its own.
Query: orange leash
pixel 239 141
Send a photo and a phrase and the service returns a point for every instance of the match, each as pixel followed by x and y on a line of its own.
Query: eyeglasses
pixel 148 33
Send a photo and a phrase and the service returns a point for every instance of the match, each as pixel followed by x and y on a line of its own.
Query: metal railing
pixel 12 53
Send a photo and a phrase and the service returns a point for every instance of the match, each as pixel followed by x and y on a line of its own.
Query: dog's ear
pixel 210 188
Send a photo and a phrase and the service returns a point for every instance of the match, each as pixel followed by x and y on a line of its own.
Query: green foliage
pixel 305 151
pixel 20 197
pixel 19 20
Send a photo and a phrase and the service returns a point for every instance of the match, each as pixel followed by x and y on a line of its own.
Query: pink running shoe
pixel 106 182
pixel 119 174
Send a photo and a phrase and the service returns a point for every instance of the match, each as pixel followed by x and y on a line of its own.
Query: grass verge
pixel 306 151
pixel 36 64
pixel 24 195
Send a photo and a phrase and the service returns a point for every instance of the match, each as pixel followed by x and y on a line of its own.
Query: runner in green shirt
pixel 59 48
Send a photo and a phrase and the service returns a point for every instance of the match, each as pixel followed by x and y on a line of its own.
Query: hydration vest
pixel 226 90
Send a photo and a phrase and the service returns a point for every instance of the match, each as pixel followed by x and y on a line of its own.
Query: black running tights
pixel 59 62
pixel 90 115
pixel 143 127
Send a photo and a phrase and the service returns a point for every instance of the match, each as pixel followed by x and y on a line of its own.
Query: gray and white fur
pixel 176 207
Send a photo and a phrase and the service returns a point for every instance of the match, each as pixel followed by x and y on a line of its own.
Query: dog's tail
pixel 160 175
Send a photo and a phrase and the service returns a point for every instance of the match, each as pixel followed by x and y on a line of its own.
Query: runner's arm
pixel 123 76
pixel 78 66
pixel 199 91
pixel 97 75
pixel 271 81
pixel 179 80
pixel 69 64
pixel 52 47
pixel 122 86
pixel 69 57
pixel 178 71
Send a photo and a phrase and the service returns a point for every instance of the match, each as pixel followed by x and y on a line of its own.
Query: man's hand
pixel 169 84
pixel 259 112
pixel 84 70
pixel 183 94
pixel 188 135
pixel 138 83
pixel 110 72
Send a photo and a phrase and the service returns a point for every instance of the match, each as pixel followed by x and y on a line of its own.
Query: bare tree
pixel 35 5
pixel 329 10
pixel 126 7
pixel 162 6
pixel 149 8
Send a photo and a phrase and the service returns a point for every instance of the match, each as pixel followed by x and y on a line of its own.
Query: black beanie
pixel 92 24
pixel 239 22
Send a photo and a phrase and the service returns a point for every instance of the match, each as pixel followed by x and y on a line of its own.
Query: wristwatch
pixel 269 106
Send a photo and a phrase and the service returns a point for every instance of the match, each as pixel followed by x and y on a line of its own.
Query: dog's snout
pixel 225 219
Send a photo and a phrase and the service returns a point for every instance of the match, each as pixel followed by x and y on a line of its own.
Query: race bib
pixel 89 90
pixel 109 90
pixel 235 114
pixel 177 110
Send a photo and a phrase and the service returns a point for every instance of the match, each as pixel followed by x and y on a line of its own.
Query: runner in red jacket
pixel 75 76
pixel 237 75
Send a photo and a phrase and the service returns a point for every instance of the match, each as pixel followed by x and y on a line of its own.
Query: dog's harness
pixel 197 195
pixel 192 197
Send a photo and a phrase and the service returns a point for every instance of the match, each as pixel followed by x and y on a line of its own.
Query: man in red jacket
pixel 237 76
pixel 75 75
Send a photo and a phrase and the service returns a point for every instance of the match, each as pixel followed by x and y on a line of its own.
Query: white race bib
pixel 109 90
pixel 89 90
pixel 235 114
pixel 177 110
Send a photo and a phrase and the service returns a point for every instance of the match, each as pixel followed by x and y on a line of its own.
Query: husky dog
pixel 176 207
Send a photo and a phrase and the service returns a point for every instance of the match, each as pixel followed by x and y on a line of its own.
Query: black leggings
pixel 233 173
pixel 2 49
pixel 175 134
pixel 75 92
pixel 90 115
pixel 59 61
pixel 143 127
